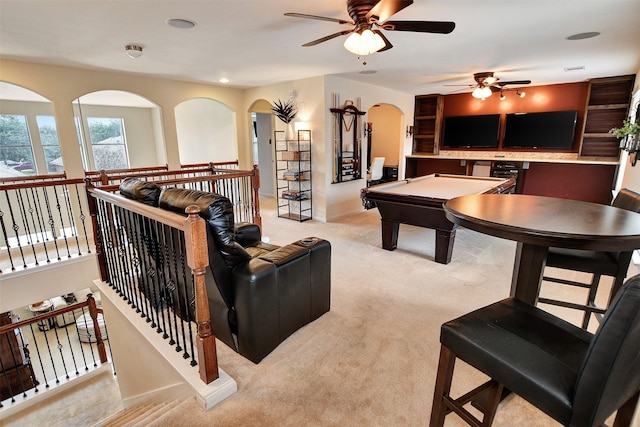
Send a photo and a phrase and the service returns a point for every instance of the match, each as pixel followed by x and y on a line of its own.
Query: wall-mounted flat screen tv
pixel 471 131
pixel 552 129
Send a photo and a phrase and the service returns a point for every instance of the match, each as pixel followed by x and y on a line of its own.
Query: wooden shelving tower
pixel 427 123
pixel 607 106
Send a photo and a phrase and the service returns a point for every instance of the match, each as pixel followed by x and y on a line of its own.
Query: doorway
pixel 262 145
pixel 385 134
pixel 264 142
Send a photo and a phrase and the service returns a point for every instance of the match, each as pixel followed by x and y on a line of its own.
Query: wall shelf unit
pixel 293 176
pixel 347 153
pixel 427 122
pixel 607 106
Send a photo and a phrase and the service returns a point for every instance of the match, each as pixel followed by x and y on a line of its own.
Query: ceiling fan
pixel 486 84
pixel 368 17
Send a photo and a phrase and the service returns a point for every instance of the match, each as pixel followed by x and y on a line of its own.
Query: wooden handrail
pixel 93 312
pixel 49 183
pixel 195 233
pixel 126 170
pixel 34 177
pixel 209 164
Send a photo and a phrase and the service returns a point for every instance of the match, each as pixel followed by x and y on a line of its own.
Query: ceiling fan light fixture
pixel 364 43
pixel 481 92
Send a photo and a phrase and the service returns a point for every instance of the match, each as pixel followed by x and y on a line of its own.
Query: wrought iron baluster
pixel 63 229
pixel 188 302
pixel 70 216
pixel 129 272
pixel 83 218
pixel 60 347
pixel 5 238
pixel 16 229
pixel 52 223
pixel 53 364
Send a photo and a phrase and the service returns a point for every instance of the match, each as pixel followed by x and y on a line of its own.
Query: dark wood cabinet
pixel 16 373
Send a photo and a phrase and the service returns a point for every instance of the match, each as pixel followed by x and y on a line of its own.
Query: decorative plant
pixel 627 129
pixel 285 111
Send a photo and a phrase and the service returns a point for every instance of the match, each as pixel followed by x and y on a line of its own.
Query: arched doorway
pixel 385 134
pixel 262 144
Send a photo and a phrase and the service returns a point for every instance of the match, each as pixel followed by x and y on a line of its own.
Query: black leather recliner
pixel 259 294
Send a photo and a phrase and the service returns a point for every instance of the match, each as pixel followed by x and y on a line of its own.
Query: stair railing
pixel 44 351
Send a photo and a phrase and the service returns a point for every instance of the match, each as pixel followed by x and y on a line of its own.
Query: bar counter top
pixel 527 156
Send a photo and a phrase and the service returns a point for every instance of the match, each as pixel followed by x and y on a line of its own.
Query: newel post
pixel 97 236
pixel 197 258
pixel 93 312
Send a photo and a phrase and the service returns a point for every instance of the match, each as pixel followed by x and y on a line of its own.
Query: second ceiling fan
pixel 368 18
pixel 486 84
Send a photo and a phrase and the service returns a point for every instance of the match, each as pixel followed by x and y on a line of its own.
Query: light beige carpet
pixel 370 361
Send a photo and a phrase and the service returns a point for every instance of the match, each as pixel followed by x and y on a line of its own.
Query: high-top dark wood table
pixel 537 223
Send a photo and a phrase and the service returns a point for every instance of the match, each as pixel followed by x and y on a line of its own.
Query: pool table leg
pixel 444 245
pixel 390 234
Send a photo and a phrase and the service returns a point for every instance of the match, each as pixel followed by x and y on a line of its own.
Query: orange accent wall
pixel 568 96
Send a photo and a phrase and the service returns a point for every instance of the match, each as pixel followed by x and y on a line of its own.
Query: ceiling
pixel 251 43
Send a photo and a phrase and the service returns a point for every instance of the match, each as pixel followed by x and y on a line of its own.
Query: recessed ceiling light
pixel 582 36
pixel 183 24
pixel 368 71
pixel 224 80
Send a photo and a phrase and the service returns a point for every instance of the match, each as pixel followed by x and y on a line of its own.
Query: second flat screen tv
pixel 471 131
pixel 553 130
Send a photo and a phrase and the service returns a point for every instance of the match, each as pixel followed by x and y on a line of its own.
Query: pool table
pixel 418 201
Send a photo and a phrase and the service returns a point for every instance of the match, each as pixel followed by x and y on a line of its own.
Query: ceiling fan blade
pixel 329 37
pixel 320 18
pixel 387 43
pixel 514 82
pixel 440 27
pixel 387 8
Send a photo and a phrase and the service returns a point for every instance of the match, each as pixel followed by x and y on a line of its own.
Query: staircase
pixel 97 403
pixel 140 416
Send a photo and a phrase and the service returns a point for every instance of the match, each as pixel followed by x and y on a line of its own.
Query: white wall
pixel 631 174
pixel 62 85
pixel 344 198
pixel 313 97
pixel 206 131
pixel 19 289
pixel 311 109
